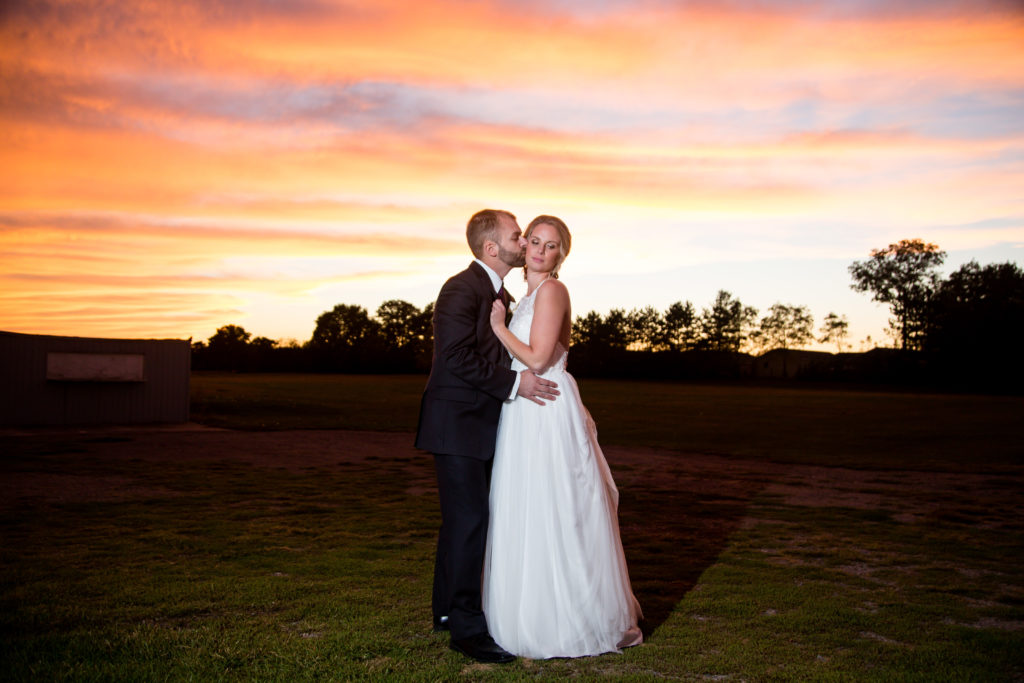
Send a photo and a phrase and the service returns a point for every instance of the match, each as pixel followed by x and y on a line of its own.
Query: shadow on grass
pixel 675 519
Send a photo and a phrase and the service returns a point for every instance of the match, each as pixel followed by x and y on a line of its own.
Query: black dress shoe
pixel 441 624
pixel 482 648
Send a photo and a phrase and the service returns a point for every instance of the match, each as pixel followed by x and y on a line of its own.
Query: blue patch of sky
pixel 404 105
pixel 351 105
pixel 566 112
pixel 586 8
pixel 1004 252
pixel 794 236
pixel 976 115
pixel 1009 157
pixel 379 104
pixel 987 224
pixel 891 9
pixel 838 9
pixel 245 11
pixel 802 114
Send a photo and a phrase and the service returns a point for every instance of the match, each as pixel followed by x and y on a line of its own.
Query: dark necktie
pixel 503 295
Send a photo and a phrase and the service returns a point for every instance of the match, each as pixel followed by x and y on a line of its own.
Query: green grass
pixel 764 562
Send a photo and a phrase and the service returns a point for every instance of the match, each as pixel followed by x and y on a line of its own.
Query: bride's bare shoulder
pixel 553 288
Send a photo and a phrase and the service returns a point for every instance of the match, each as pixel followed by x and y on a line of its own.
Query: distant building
pixel 788 363
pixel 63 381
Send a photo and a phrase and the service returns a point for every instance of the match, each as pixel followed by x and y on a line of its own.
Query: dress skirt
pixel 555 581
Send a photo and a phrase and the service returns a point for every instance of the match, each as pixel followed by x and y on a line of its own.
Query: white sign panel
pixel 95 367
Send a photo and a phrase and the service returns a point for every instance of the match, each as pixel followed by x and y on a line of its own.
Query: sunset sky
pixel 167 168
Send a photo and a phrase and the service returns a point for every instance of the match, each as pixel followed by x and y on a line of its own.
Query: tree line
pixel 964 329
pixel 399 336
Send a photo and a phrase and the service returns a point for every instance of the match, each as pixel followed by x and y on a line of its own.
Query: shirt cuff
pixel 515 387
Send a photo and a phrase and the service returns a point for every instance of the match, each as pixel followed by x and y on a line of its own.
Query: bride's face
pixel 542 248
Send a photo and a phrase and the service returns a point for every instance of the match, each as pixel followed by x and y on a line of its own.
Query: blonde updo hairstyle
pixel 564 238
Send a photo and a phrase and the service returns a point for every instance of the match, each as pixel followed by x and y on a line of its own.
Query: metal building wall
pixel 50 381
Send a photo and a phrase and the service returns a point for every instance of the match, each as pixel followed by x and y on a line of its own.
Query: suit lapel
pixel 483 279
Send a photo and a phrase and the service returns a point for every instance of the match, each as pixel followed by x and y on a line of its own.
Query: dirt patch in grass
pixel 31 466
pixel 34 461
pixel 914 497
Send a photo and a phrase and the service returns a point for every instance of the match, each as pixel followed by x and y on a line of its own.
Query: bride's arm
pixel 549 311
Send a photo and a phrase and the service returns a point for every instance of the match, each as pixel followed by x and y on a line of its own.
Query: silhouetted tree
pixel 399 323
pixel 407 334
pixel 587 329
pixel 262 344
pixel 229 338
pixel 680 330
pixel 423 336
pixel 784 327
pixel 200 357
pixel 727 324
pixel 835 330
pixel 599 343
pixel 228 348
pixel 343 327
pixel 902 276
pixel 977 322
pixel 643 328
pixel 260 354
pixel 615 329
pixel 347 338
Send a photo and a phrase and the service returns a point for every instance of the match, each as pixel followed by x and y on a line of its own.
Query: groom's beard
pixel 512 259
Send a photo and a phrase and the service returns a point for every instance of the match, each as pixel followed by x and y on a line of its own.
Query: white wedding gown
pixel 555 582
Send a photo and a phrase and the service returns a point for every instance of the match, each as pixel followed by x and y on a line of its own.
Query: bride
pixel 555 582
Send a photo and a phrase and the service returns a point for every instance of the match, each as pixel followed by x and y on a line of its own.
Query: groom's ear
pixel 491 247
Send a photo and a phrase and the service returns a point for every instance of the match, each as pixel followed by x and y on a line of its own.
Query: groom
pixel 469 379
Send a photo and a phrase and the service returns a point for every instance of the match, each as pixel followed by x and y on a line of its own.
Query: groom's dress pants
pixel 464 487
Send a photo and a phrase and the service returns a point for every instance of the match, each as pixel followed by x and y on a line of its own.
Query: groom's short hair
pixel 483 226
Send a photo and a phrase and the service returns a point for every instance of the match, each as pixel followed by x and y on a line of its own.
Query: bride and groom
pixel 529 560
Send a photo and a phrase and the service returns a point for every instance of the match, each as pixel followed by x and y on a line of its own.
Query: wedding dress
pixel 555 582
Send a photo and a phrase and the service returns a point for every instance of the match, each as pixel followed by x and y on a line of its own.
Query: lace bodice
pixel 522 320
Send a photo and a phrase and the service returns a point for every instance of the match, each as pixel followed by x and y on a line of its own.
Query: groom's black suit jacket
pixel 469 374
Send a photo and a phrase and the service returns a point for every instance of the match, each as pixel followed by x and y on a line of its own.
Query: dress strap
pixel 541 284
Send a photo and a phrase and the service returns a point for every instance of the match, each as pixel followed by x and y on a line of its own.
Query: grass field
pixel 773 533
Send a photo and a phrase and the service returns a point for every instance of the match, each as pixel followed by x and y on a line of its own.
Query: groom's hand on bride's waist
pixel 536 389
